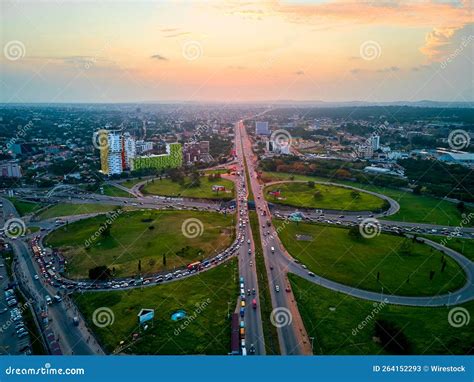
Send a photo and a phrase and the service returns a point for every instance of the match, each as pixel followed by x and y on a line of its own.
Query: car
pixel 248 292
pixel 277 288
pixel 253 291
pixel 3 310
pixel 311 274
pixel 287 289
pixel 22 334
pixel 36 277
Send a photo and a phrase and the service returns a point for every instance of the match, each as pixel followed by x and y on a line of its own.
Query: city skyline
pixel 334 51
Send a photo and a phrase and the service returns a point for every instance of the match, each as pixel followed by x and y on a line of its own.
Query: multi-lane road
pixel 292 336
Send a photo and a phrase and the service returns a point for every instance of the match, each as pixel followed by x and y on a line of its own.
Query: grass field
pixel 463 246
pixel 413 208
pixel 131 240
pixel 110 190
pixel 204 297
pixel 329 197
pixel 332 253
pixel 333 318
pixel 132 182
pixel 166 187
pixel 66 209
pixel 24 207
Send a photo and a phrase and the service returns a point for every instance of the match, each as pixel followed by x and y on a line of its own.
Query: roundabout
pixel 328 197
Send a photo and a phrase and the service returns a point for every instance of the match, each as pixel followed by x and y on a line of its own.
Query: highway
pixel 72 340
pixel 247 268
pixel 293 338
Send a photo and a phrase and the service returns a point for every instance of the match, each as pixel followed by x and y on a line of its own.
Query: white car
pixel 277 288
pixel 36 277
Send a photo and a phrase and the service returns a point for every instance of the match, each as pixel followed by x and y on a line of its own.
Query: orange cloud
pixel 403 13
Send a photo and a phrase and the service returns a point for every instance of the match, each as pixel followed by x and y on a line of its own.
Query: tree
pixel 164 260
pixel 310 184
pixel 100 273
pixel 417 189
pixel 151 263
pixel 355 194
pixel 317 195
pixel 195 179
pixel 139 265
pixel 105 230
pixel 461 207
pixel 391 337
pixel 354 233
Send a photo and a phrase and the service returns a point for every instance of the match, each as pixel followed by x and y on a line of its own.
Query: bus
pixel 194 265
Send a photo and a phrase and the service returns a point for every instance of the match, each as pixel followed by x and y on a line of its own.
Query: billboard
pixel 146 315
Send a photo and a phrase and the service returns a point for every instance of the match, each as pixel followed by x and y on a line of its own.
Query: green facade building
pixel 172 159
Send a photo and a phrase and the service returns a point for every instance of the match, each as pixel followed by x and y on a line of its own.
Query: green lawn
pixel 67 209
pixel 463 246
pixel 333 319
pixel 132 182
pixel 110 190
pixel 332 253
pixel 131 240
pixel 166 187
pixel 327 197
pixel 204 297
pixel 24 207
pixel 413 208
pixel 33 229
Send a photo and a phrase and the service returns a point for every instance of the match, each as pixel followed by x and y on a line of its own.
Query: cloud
pixel 159 57
pixel 389 12
pixel 390 69
pixel 177 34
pixel 441 42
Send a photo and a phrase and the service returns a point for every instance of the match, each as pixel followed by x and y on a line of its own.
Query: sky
pixel 236 51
